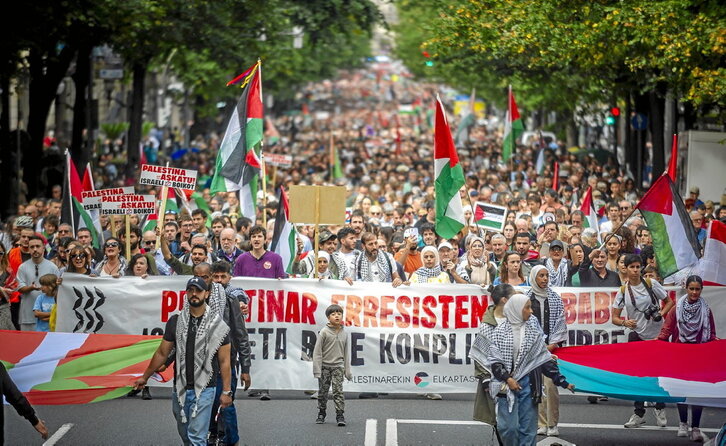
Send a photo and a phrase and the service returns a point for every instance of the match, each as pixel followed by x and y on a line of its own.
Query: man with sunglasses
pixel 29 274
pixel 148 244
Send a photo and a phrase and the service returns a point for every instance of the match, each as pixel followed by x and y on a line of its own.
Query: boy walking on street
pixel 331 363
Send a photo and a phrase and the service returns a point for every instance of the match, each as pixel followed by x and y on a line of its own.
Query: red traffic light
pixel 615 111
pixel 425 53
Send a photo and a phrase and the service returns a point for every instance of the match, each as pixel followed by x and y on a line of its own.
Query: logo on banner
pixel 421 379
pixel 86 309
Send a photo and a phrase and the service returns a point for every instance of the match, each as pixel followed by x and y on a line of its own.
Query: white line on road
pixel 620 426
pixel 58 434
pixel 460 422
pixel 371 438
pixel 391 432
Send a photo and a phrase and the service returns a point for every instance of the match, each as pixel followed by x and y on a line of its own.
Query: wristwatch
pixel 229 393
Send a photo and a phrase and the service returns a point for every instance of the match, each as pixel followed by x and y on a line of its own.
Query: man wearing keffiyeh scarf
pixel 373 265
pixel 518 357
pixel 202 351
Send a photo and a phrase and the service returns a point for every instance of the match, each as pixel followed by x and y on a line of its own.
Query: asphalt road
pixel 288 419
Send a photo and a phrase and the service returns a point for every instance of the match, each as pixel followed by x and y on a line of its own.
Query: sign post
pixel 317 205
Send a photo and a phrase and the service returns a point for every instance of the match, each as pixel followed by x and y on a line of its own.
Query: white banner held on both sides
pixel 409 339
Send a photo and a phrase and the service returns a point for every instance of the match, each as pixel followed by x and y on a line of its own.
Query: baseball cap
pixel 445 244
pixel 197 282
pixel 24 221
pixel 326 235
pixel 557 243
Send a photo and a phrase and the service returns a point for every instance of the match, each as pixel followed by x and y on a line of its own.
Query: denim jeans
pixel 194 431
pixel 229 415
pixel 518 427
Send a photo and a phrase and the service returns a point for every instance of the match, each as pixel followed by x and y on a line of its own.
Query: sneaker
pixel 133 392
pixel 340 419
pixel 309 392
pixel 321 418
pixel 542 430
pixel 553 431
pixel 433 396
pixel 254 393
pixel 635 421
pixel 592 399
pixel 660 418
pixel 146 394
pixel 602 398
pixel 682 430
pixel 697 435
pixel 314 396
pixel 265 396
pixel 212 439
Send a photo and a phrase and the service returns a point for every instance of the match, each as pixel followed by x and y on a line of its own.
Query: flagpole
pixel 160 215
pixel 317 236
pixel 128 237
pixel 69 160
pixel 332 158
pixel 262 155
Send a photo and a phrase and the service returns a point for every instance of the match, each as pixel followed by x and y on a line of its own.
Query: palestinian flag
pixel 76 368
pixel 72 211
pixel 673 162
pixel 284 237
pixel 713 263
pixel 674 238
pixel 655 371
pixel 490 216
pixel 238 159
pixel 513 127
pixel 588 208
pixel 449 178
pixel 152 219
pixel 335 170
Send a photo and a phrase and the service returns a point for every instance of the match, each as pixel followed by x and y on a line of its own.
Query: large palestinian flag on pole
pixel 655 371
pixel 76 368
pixel 284 237
pixel 72 211
pixel 674 238
pixel 238 159
pixel 513 127
pixel 449 178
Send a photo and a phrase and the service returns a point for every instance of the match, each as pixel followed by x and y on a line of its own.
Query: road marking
pixel 371 438
pixel 391 432
pixel 58 434
pixel 620 426
pixel 459 422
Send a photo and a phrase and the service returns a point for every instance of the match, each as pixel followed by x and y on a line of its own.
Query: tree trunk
pixel 8 175
pixel 136 120
pixel 657 109
pixel 81 80
pixel 641 105
pixel 570 128
pixel 46 73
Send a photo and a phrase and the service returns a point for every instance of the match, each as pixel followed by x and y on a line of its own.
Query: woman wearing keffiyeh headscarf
pixel 475 266
pixel 518 357
pixel 691 322
pixel 549 310
pixel 430 272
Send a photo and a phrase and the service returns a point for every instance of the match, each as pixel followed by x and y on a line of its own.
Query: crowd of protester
pixel 379 126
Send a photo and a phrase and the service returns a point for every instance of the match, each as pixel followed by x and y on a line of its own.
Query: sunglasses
pixel 79 256
pixel 111 245
pixel 149 242
pixel 2 253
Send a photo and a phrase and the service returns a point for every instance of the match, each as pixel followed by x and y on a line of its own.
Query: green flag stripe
pixel 111 394
pixel 489 224
pixel 99 364
pixel 447 186
pixel 661 243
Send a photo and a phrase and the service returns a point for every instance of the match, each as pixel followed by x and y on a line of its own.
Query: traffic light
pixel 612 117
pixel 429 63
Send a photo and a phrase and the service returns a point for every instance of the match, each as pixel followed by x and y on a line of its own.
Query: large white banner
pixel 405 339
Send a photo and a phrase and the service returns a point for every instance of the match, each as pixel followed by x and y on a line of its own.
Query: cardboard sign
pixel 168 176
pixel 128 204
pixel 330 202
pixel 92 198
pixel 490 216
pixel 275 159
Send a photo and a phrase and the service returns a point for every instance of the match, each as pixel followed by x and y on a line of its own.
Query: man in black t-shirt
pixel 199 336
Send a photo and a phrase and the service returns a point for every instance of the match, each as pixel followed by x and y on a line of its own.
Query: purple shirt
pixel 268 266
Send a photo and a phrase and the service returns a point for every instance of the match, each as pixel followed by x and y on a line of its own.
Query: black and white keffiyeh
pixel 217 299
pixel 532 353
pixel 694 320
pixel 365 272
pixel 557 326
pixel 558 276
pixel 208 337
pixel 482 343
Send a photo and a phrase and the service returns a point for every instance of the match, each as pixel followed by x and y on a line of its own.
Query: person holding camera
pixel 642 299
